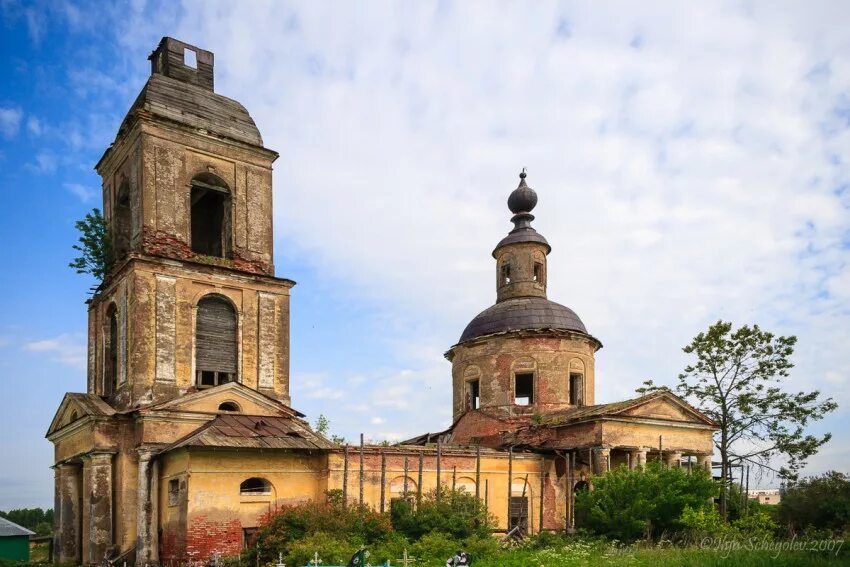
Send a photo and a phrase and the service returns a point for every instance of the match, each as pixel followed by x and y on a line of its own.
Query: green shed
pixel 14 541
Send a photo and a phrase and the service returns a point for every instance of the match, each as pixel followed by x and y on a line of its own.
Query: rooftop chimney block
pixel 183 62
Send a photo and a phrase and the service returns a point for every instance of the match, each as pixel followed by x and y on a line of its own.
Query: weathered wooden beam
pixel 510 482
pixel 478 472
pixel 383 479
pixel 419 479
pixel 542 488
pixel 345 475
pixel 404 494
pixel 362 469
pixel 439 466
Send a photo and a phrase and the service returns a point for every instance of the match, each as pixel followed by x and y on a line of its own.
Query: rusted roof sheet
pixel 92 404
pixel 196 107
pixel 254 432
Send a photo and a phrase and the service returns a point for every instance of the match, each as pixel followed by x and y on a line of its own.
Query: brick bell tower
pixel 191 300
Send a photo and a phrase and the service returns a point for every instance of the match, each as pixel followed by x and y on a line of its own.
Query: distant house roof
pixel 11 529
pixel 254 432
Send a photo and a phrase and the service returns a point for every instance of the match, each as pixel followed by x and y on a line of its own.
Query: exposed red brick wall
pixel 172 543
pixel 206 537
pixel 551 518
pixel 159 243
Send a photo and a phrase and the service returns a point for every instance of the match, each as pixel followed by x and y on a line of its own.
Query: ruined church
pixel 186 437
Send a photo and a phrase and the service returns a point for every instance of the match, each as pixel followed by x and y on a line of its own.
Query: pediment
pixel 243 399
pixel 668 407
pixel 76 406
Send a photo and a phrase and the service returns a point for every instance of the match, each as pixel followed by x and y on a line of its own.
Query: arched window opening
pixel 538 272
pixel 524 389
pixel 210 224
pixel 228 406
pixel 473 394
pixel 581 485
pixel 74 417
pixel 216 345
pixel 110 363
pixel 576 389
pixel 402 496
pixel 465 484
pixel 254 486
pixel 506 273
pixel 121 222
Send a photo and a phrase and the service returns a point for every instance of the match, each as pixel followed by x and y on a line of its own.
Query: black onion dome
pixel 521 202
pixel 523 199
pixel 523 313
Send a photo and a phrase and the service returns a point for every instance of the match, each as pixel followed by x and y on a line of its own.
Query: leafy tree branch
pixel 736 379
pixel 93 246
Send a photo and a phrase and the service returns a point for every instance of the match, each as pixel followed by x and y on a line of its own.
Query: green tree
pixel 642 503
pixel 93 246
pixel 820 502
pixel 322 426
pixel 35 519
pixel 735 380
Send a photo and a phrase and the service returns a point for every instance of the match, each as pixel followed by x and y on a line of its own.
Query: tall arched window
pixel 121 222
pixel 216 347
pixel 576 389
pixel 210 205
pixel 110 362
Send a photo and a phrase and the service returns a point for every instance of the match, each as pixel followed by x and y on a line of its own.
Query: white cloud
pixel 34 126
pixel 66 349
pixel 83 193
pixel 10 121
pixel 45 162
pixel 688 176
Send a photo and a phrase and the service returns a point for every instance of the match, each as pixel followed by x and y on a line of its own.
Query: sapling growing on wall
pixel 93 246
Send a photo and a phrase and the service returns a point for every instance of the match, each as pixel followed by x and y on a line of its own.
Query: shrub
pixel 645 502
pixel 360 525
pixel 435 547
pixel 758 525
pixel 332 549
pixel 702 522
pixel 820 502
pixel 457 513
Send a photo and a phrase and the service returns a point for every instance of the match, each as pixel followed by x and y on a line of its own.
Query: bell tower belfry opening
pixel 191 300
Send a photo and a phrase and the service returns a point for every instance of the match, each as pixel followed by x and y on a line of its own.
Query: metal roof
pixel 522 313
pixel 11 529
pixel 255 432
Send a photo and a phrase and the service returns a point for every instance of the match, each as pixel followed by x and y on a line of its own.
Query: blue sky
pixel 691 164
